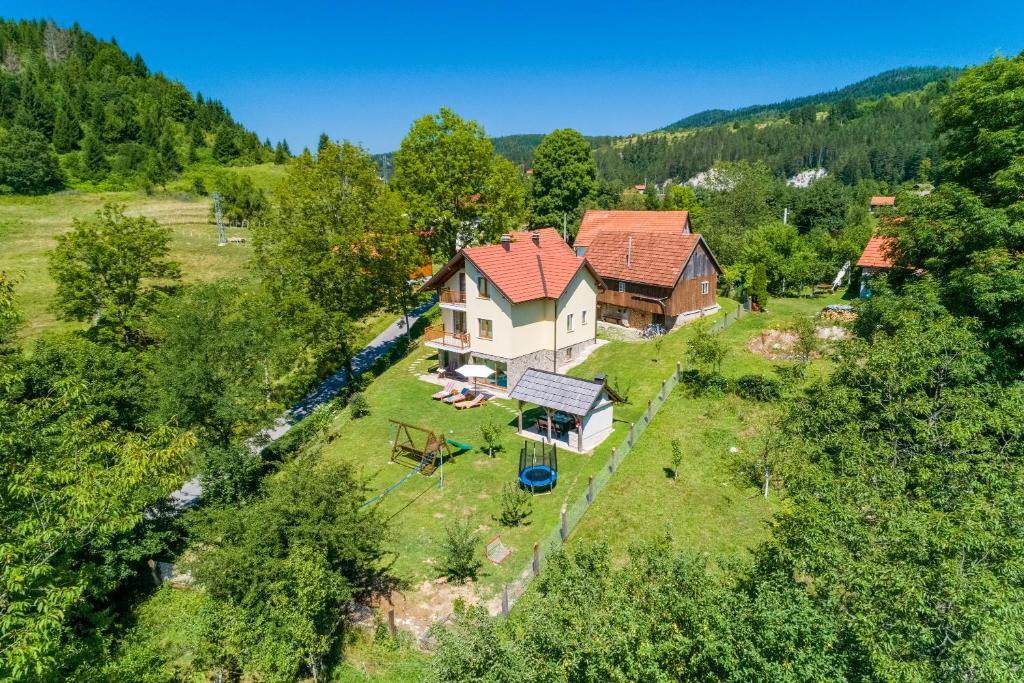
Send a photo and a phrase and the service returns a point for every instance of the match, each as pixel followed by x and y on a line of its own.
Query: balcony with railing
pixel 452 298
pixel 437 337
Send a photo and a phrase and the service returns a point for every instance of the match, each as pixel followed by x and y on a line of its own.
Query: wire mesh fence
pixel 572 512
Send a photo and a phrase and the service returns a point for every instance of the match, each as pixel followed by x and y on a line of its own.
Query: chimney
pixel 536 238
pixel 506 241
pixel 629 251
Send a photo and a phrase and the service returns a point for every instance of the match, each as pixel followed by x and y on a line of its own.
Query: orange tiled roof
pixel 883 201
pixel 664 222
pixel 653 258
pixel 876 253
pixel 525 270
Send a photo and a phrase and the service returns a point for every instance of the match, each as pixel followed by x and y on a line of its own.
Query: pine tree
pixel 168 153
pixel 324 142
pixel 66 131
pixel 94 156
pixel 224 148
pixel 281 153
pixel 34 112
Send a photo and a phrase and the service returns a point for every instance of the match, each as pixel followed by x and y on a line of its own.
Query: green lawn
pixel 722 513
pixel 29 225
pixel 713 507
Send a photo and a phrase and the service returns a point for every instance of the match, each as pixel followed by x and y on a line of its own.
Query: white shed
pixel 577 412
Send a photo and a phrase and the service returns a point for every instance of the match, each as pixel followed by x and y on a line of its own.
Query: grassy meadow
pixel 29 227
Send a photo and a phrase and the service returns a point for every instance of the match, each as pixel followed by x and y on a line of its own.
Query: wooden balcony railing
pixel 453 296
pixel 439 335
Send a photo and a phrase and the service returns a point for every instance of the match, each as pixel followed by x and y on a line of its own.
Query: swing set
pixel 419 447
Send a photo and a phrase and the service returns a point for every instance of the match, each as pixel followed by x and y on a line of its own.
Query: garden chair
pixel 477 400
pixel 448 390
pixel 458 396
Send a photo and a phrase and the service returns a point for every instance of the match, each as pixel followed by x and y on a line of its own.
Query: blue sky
pixel 364 71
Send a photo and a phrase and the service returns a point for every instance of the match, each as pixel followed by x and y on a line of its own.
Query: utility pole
pixel 785 216
pixel 220 219
pixel 565 234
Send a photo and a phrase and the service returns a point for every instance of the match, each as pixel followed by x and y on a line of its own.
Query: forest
pixel 76 111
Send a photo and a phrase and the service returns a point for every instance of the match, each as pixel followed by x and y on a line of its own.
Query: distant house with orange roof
pixel 875 259
pixel 878 202
pixel 528 301
pixel 656 270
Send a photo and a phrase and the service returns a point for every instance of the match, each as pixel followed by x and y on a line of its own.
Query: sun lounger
pixel 459 396
pixel 477 400
pixel 448 390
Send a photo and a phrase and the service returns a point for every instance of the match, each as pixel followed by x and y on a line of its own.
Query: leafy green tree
pixel 743 197
pixel 706 351
pixel 631 200
pixel 516 505
pixel 982 137
pixel 459 548
pixel 822 205
pixel 314 551
pixel 27 163
pixel 72 483
pixel 332 248
pixel 683 198
pixel 807 342
pixel 219 347
pixel 759 286
pixel 323 144
pixel 240 199
pixel 112 270
pixel 564 175
pixel 677 457
pixel 476 199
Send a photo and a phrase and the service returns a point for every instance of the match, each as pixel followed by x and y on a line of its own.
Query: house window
pixel 569 323
pixel 622 286
pixel 583 317
pixel 486 329
pixel 482 290
pixel 705 287
pixel 568 353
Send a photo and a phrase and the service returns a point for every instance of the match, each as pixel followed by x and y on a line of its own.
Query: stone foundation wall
pixel 542 360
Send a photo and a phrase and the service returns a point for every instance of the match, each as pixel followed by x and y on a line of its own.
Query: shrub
pixel 677 457
pixel 358 406
pixel 459 561
pixel 703 383
pixel 758 387
pixel 516 505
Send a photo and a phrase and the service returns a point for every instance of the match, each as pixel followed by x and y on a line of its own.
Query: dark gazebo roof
pixel 558 392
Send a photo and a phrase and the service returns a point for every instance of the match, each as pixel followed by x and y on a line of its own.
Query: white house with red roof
pixel 528 301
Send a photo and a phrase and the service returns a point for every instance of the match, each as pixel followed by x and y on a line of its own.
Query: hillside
pixel 893 82
pixel 76 111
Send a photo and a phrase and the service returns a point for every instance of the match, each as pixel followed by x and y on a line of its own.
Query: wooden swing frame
pixel 406 448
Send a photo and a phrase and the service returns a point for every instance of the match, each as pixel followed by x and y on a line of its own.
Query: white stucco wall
pixel 579 296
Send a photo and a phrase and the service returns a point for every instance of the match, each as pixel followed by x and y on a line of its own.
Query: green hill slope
pixel 893 82
pixel 114 123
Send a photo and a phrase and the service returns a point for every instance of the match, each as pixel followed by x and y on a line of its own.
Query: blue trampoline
pixel 538 472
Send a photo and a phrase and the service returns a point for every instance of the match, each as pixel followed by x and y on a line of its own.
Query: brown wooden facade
pixel 642 304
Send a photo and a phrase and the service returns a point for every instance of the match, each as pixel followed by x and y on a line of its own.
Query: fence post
pixel 504 599
pixel 565 526
pixel 631 426
pixel 679 371
pixel 536 559
pixel 663 383
pixel 590 490
pixel 391 622
pixel 611 462
pixel 648 410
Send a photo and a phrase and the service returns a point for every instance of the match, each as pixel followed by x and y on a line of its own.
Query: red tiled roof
pixel 654 259
pixel 883 201
pixel 876 253
pixel 663 222
pixel 525 271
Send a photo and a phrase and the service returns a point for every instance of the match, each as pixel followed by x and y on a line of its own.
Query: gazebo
pixel 578 411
